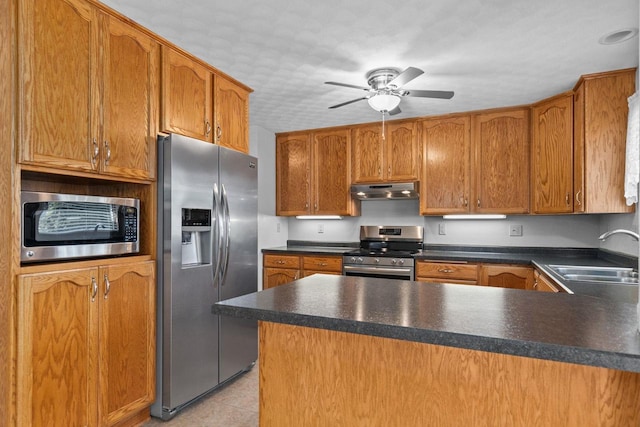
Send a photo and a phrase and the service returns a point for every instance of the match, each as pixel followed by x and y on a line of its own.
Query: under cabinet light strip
pixel 487 216
pixel 318 217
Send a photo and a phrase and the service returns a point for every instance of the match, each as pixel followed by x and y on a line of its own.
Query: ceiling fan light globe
pixel 384 102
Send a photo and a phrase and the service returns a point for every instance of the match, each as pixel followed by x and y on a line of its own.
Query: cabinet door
pixel 552 151
pixel 506 276
pixel 604 115
pixel 232 114
pixel 58 84
pixel 186 96
pixel 501 141
pixel 402 152
pixel 368 154
pixel 293 175
pixel 273 277
pixel 332 173
pixel 542 284
pixel 131 72
pixel 127 339
pixel 444 187
pixel 57 348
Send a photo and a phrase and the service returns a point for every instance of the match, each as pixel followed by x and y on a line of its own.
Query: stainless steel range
pixel 385 251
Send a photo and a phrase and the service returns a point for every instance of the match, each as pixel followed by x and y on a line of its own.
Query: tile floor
pixel 234 405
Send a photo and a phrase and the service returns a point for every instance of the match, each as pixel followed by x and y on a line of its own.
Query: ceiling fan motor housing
pixel 380 77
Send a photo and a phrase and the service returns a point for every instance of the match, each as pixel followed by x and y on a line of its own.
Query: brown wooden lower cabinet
pixel 281 269
pixel 447 272
pixel 506 276
pixel 498 275
pixel 86 345
pixel 543 284
pixel 339 378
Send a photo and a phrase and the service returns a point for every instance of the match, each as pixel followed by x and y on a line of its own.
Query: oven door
pixel 399 273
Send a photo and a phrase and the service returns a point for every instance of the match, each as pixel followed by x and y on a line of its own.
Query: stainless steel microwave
pixel 67 226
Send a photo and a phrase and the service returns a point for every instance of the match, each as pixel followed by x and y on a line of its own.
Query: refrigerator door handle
pixel 218 233
pixel 227 235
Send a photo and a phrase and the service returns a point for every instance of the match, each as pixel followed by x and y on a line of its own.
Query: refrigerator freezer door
pixel 190 331
pixel 238 183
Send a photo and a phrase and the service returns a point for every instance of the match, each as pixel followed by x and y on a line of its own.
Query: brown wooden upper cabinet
pixel 552 155
pixel 187 107
pixel 444 186
pixel 231 108
pixel 578 147
pixel 313 174
pixel 88 91
pixel 600 123
pixel 500 143
pixel 392 158
pixel 476 164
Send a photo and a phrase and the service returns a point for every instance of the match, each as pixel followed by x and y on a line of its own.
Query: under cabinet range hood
pixel 385 191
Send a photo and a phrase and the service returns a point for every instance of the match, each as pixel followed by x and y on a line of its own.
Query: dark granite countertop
pixel 561 327
pixel 538 257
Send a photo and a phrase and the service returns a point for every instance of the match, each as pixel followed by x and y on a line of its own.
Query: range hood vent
pixel 385 191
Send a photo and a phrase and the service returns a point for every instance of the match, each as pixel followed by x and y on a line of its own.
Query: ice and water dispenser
pixel 196 237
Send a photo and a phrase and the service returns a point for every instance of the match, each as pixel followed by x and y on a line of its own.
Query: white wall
pixel 272 230
pixel 577 231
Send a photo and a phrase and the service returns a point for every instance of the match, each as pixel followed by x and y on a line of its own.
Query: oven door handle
pixel 376 270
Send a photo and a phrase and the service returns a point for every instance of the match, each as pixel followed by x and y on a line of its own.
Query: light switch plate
pixel 442 230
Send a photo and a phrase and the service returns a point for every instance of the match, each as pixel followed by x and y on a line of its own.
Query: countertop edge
pixel 537 350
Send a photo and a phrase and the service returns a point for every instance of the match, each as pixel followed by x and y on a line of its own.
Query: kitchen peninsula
pixel 338 350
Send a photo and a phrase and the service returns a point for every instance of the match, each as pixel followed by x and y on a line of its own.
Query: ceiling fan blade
pixel 347 103
pixel 348 85
pixel 395 111
pixel 405 77
pixel 442 94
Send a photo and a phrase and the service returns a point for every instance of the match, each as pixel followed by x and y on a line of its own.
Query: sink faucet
pixel 619 231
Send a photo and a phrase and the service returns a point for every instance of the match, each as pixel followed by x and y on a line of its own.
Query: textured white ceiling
pixel 492 53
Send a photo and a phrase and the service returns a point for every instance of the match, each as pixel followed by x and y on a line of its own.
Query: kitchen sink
pixel 614 275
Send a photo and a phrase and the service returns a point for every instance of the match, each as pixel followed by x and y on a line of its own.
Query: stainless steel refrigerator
pixel 207 252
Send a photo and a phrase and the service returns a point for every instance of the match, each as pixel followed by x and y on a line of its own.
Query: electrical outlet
pixel 320 228
pixel 277 227
pixel 442 230
pixel 515 230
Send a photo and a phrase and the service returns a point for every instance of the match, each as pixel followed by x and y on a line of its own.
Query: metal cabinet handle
pixel 379 171
pixel 95 152
pixel 207 127
pixel 578 201
pixel 445 270
pixel 218 133
pixel 535 284
pixel 107 150
pixel 567 198
pixel 94 288
pixel 322 264
pixel 478 202
pixel 107 286
pixel 389 171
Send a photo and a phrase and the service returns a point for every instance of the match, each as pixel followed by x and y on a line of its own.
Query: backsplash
pixel 577 231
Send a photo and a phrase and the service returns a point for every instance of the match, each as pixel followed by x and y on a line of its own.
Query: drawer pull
pixel 445 270
pixel 322 264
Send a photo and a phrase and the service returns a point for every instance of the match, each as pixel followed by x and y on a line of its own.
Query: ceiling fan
pixel 385 89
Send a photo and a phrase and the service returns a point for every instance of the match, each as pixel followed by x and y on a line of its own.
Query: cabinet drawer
pixel 447 270
pixel 318 264
pixel 282 261
pixel 446 281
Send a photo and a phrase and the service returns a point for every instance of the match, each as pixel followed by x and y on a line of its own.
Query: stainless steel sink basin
pixel 620 275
